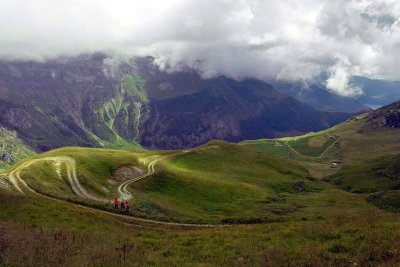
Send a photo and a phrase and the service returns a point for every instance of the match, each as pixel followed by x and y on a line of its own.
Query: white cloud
pixel 340 78
pixel 286 39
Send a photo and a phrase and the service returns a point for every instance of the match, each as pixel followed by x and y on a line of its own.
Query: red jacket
pixel 116 201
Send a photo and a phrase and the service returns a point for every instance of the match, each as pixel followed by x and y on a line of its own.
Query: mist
pixel 265 39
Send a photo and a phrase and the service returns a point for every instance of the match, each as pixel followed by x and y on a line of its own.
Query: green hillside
pixel 360 155
pixel 215 183
pixel 12 149
pixel 375 175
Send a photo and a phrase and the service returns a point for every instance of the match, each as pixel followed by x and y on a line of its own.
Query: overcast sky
pixel 284 39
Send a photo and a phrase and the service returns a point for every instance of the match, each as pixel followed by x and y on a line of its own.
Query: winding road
pixel 294 150
pixel 123 188
pixel 14 178
pixel 77 188
pixel 322 153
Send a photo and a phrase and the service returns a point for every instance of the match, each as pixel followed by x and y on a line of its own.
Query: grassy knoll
pixel 233 183
pixel 93 167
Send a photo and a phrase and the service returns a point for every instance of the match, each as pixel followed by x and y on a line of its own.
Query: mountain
pixel 320 98
pixel 385 117
pixel 376 93
pixel 92 101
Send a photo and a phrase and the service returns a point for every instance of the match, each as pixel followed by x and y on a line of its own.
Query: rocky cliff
pixel 387 116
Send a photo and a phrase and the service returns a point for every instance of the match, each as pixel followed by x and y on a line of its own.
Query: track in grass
pixel 123 188
pixel 77 188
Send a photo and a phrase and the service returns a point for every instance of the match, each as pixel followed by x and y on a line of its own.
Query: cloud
pixel 339 80
pixel 266 39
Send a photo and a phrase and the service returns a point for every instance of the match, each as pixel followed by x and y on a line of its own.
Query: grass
pixel 94 167
pixel 223 182
pixel 369 176
pixel 387 200
pixel 120 117
pixel 367 160
pixel 35 231
pixel 216 183
pixel 135 85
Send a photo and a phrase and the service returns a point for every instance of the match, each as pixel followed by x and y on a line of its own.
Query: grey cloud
pixel 266 39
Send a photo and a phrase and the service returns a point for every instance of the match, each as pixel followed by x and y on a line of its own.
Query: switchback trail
pixel 123 188
pixel 294 150
pixel 77 188
pixel 14 178
pixel 322 153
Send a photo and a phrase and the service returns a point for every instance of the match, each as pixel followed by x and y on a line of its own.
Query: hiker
pixel 122 204
pixel 116 203
pixel 127 206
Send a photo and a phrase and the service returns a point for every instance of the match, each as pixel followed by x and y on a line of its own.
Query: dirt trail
pixel 295 151
pixel 15 179
pixel 132 219
pixel 77 188
pixel 123 188
pixel 322 153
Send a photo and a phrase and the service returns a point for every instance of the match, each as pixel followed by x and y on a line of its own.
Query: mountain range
pixel 93 101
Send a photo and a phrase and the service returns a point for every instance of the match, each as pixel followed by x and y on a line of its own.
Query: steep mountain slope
pixel 12 149
pixel 69 102
pixel 385 117
pixel 93 101
pixel 226 109
pixel 318 97
pixel 378 92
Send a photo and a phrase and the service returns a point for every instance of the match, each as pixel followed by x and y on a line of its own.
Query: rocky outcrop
pixel 12 149
pixel 125 173
pixel 6 158
pixel 387 116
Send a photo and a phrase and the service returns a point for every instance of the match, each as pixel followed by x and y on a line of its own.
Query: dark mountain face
pixel 387 116
pixel 230 110
pixel 320 98
pixel 378 92
pixel 85 101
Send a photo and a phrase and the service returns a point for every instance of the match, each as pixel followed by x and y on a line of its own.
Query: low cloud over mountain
pixel 287 39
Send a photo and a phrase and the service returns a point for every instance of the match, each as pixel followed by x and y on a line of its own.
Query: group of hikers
pixel 121 205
